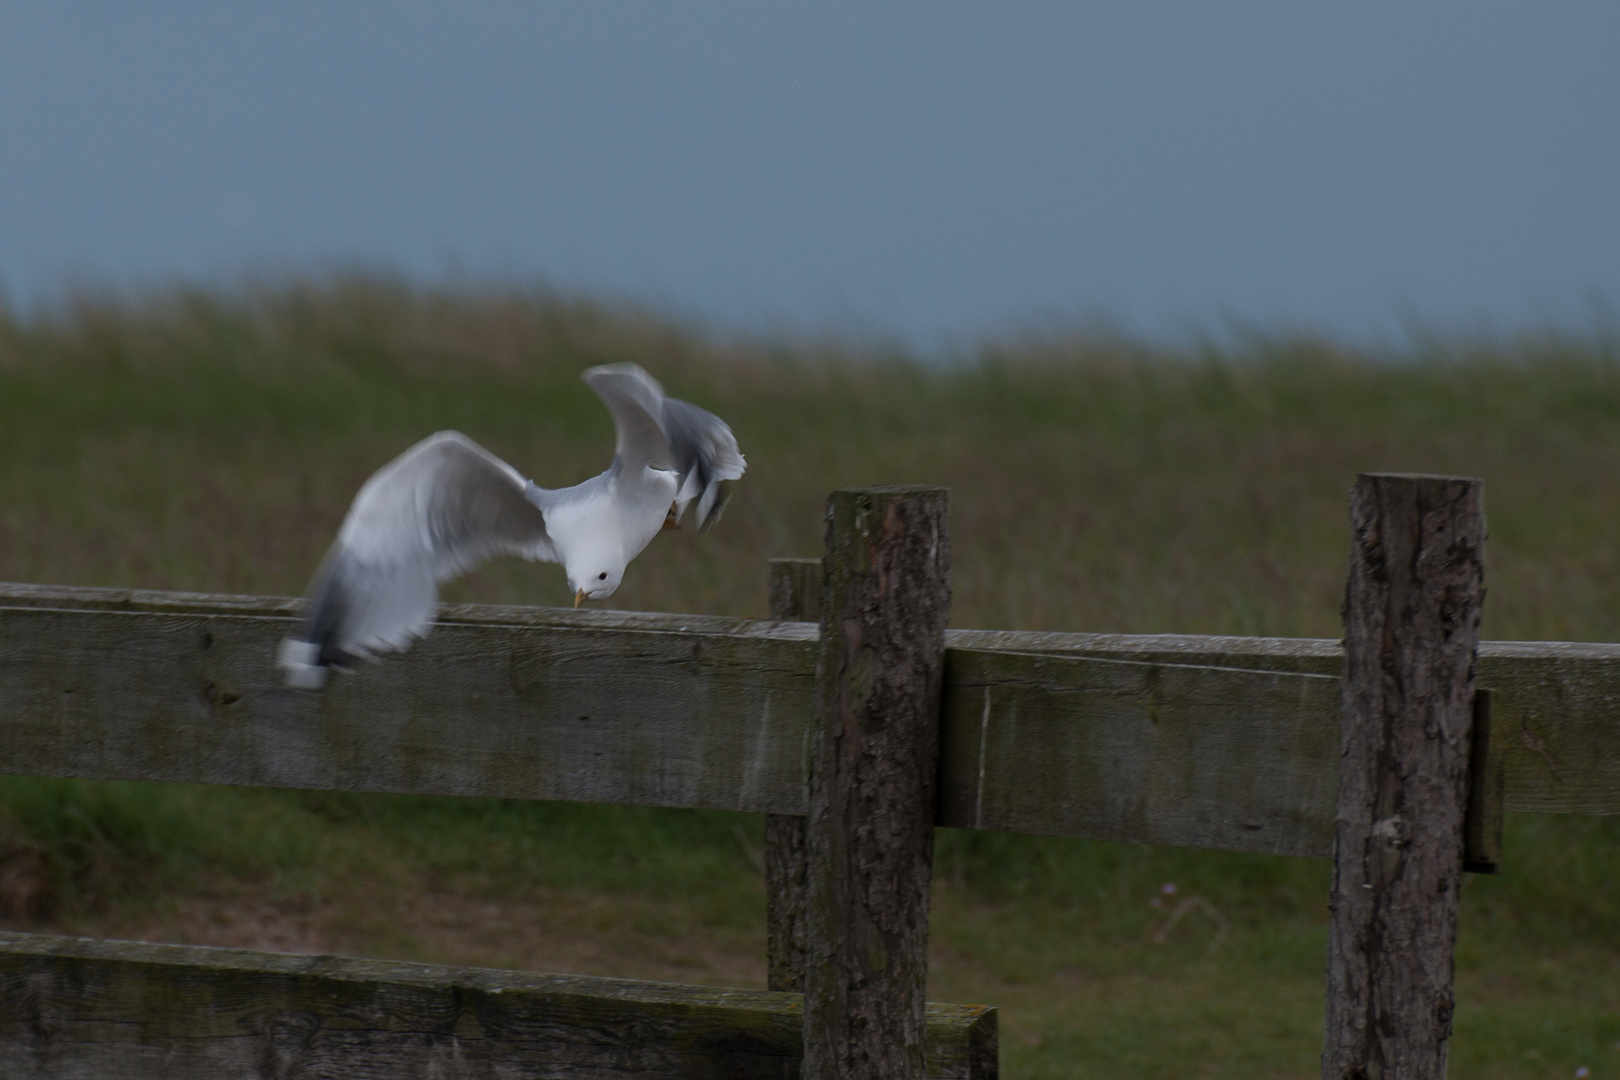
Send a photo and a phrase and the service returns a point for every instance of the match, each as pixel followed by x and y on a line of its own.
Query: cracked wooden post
pixel 795 592
pixel 1411 616
pixel 871 826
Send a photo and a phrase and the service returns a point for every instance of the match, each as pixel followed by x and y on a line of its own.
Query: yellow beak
pixel 579 597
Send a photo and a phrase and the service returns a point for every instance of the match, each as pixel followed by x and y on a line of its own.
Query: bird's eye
pixel 602 576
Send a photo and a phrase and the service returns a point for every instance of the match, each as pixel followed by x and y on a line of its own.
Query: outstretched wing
pixel 636 401
pixel 667 433
pixel 430 515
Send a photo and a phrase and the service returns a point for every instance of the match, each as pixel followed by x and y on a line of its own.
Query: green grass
pixel 212 440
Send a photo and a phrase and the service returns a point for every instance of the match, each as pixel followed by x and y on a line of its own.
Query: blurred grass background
pixel 211 440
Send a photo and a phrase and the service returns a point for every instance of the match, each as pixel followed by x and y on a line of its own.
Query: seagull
pixel 446 505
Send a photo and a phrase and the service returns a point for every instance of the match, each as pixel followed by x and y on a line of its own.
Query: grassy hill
pixel 211 440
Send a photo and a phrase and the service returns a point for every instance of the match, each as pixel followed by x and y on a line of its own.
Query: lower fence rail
pixel 85 1009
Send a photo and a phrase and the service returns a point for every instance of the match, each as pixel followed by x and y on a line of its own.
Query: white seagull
pixel 447 504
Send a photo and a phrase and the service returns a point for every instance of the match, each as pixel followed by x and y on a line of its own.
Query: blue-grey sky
pixel 933 170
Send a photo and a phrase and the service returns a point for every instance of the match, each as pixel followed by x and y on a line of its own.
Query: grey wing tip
pixel 708 515
pixel 591 375
pixel 622 368
pixel 301 660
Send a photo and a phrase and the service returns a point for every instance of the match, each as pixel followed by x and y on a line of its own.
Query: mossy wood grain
pixel 77 1009
pixel 1139 752
pixel 1555 705
pixel 587 706
pixel 708 711
pixel 1555 721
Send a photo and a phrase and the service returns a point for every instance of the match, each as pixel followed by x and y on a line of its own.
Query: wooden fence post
pixel 1411 616
pixel 795 592
pixel 870 830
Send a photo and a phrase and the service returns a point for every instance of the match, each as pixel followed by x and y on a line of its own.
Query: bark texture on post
pixel 871 823
pixel 1411 616
pixel 795 591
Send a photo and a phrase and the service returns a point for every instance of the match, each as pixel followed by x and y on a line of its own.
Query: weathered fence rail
pixel 1148 738
pixel 134 1011
pixel 1223 742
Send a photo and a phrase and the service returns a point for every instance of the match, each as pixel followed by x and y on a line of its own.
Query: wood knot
pixel 216 696
pixel 1391 830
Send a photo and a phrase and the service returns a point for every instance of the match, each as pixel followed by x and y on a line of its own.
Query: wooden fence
pixel 856 722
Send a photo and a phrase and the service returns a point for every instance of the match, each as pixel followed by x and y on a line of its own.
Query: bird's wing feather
pixel 446 504
pixel 636 402
pixel 430 515
pixel 666 433
pixel 706 456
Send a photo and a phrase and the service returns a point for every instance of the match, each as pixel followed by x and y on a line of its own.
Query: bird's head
pixel 594 580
